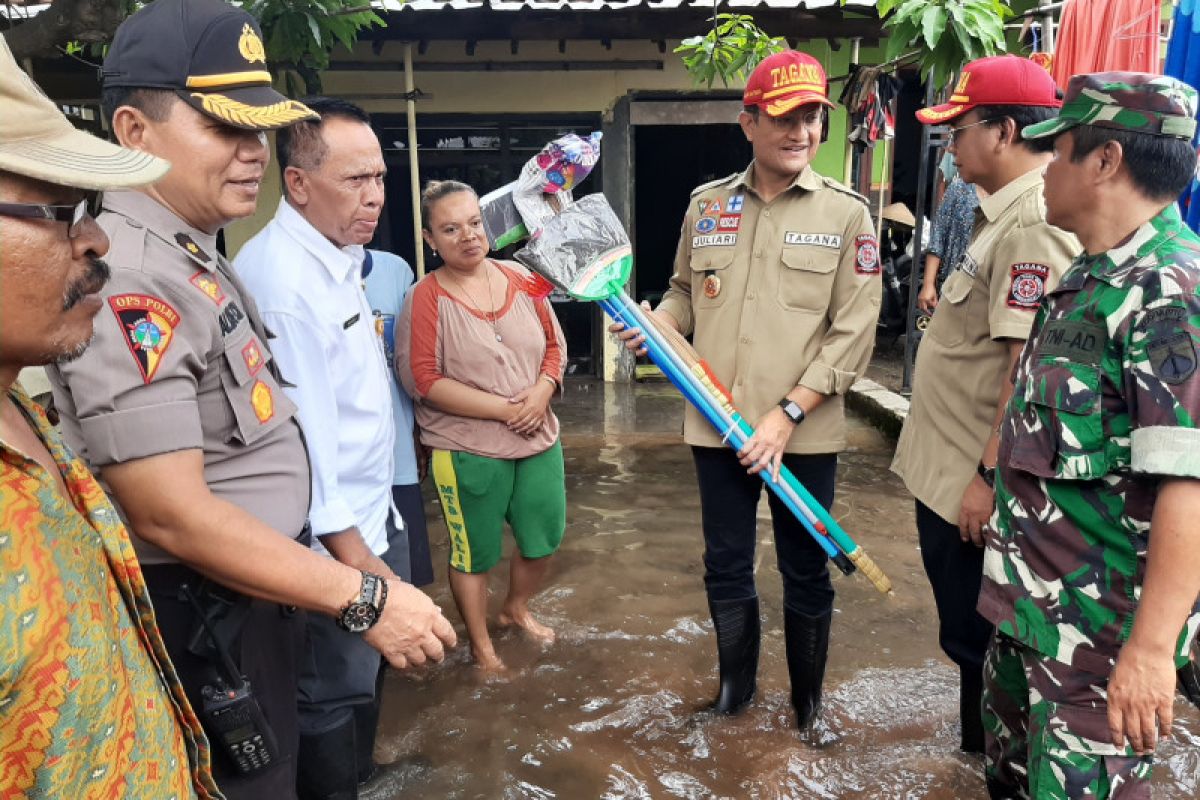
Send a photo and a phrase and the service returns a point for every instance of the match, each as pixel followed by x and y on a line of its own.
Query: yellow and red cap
pixel 786 81
pixel 995 81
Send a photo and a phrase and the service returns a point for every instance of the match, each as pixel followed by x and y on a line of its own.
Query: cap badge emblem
pixel 250 46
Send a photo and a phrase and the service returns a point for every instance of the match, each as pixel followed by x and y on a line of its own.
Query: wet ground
pixel 607 711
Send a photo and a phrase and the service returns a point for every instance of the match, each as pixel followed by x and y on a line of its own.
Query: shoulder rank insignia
pixel 147 326
pixel 193 249
pixel 208 284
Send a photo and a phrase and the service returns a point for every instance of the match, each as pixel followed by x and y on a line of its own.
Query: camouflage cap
pixel 1131 101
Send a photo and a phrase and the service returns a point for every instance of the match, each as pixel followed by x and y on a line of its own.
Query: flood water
pixel 607 711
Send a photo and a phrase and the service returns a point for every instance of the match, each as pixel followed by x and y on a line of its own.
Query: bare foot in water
pixel 487 661
pixel 525 621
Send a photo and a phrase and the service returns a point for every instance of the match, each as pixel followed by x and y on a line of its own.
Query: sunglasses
pixel 75 216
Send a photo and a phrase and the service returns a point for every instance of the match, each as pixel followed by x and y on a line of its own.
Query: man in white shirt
pixel 304 270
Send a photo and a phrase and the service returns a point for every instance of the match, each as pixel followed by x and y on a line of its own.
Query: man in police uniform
pixel 179 405
pixel 777 277
pixel 1093 571
pixel 947 449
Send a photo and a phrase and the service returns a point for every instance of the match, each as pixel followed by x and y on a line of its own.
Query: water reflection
pixel 609 710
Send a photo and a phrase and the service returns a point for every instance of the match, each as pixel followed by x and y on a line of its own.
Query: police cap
pixel 210 53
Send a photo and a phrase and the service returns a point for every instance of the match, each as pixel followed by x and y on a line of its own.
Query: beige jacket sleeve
pixel 1025 264
pixel 853 311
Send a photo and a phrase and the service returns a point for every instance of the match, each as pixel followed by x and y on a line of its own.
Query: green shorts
pixel 478 494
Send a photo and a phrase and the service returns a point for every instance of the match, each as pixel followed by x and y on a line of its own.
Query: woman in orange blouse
pixel 482 359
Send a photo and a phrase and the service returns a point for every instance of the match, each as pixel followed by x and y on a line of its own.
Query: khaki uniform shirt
pixel 180 361
pixel 1014 258
pixel 778 295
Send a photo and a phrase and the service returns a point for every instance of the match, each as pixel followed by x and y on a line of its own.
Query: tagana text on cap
pixel 786 81
pixel 210 53
pixel 38 142
pixel 995 81
pixel 1130 101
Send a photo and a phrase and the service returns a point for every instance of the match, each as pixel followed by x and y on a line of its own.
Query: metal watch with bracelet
pixel 363 611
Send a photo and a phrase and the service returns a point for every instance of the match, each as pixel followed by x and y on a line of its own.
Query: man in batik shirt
pixel 90 706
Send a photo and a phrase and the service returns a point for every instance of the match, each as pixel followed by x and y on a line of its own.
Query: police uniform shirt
pixel 778 294
pixel 179 362
pixel 1014 258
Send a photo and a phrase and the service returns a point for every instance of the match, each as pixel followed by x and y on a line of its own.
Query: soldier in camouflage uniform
pixel 1092 572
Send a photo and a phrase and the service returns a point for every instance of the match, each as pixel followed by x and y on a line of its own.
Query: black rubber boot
pixel 327 767
pixel 738 632
pixel 807 649
pixel 970 709
pixel 366 722
pixel 381 781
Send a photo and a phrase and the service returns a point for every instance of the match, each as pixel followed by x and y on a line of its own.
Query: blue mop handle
pixel 795 496
pixel 665 357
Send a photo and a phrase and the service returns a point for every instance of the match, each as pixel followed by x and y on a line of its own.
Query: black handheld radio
pixel 229 712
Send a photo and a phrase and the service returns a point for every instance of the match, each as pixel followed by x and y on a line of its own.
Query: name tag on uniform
pixel 1081 342
pixel 830 240
pixel 714 239
pixel 968 264
pixel 346 325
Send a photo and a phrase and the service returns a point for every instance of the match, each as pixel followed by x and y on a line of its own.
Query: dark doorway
pixel 486 153
pixel 670 161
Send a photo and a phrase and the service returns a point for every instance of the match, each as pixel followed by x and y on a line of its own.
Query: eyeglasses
pixel 812 119
pixel 954 132
pixel 75 216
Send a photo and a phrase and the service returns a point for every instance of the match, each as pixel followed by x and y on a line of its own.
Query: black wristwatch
pixel 988 474
pixel 363 611
pixel 793 410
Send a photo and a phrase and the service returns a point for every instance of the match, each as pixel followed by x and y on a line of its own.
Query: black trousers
pixel 411 506
pixel 266 651
pixel 955 570
pixel 729 499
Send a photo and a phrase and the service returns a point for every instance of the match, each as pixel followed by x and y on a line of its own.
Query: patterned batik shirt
pixel 1106 404
pixel 953 224
pixel 90 705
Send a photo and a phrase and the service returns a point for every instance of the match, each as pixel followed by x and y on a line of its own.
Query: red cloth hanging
pixel 1104 35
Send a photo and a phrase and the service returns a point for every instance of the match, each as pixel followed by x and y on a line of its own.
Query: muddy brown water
pixel 607 711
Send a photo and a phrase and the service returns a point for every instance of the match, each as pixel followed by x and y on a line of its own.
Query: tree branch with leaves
pixel 299 34
pixel 945 33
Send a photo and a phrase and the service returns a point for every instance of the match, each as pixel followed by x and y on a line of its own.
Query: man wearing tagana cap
pixel 777 278
pixel 179 404
pixel 1092 571
pixel 89 703
pixel 946 453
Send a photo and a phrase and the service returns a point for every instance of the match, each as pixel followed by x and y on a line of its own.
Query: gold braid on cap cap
pixel 273 116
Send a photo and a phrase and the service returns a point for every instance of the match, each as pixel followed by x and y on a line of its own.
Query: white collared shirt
pixel 310 294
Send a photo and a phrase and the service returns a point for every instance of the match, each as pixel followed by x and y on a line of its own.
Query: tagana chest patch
pixel 866 254
pixel 148 326
pixel 1028 285
pixel 830 240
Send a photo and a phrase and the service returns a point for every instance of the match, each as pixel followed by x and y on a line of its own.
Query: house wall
pixel 476 91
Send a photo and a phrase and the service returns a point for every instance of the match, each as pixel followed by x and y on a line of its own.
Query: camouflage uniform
pixel 1106 403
